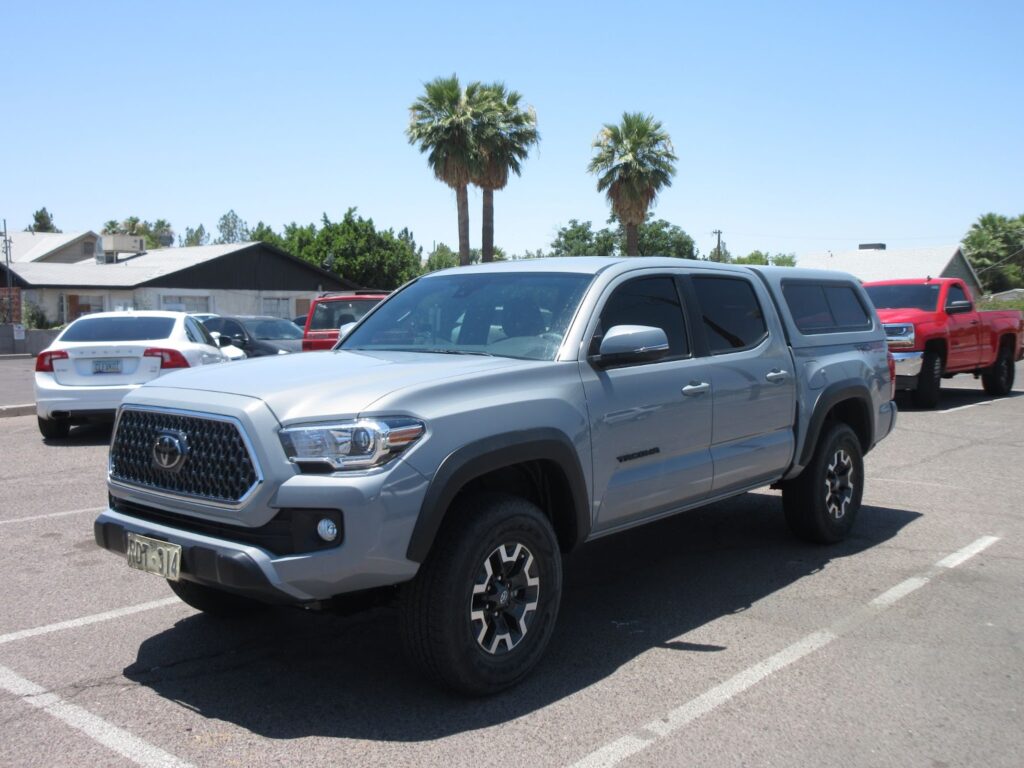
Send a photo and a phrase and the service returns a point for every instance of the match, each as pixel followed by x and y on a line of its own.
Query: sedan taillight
pixel 169 358
pixel 44 362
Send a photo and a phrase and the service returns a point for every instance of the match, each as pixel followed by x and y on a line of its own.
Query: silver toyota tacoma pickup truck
pixel 483 421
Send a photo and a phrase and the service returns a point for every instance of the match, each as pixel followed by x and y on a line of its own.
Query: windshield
pixel 506 314
pixel 924 297
pixel 335 313
pixel 119 329
pixel 269 329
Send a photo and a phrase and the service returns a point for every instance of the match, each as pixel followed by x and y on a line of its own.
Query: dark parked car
pixel 258 335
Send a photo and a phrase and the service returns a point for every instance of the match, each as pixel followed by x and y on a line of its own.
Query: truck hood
pixel 316 385
pixel 905 316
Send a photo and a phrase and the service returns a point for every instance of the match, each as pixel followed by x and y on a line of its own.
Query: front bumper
pixel 908 364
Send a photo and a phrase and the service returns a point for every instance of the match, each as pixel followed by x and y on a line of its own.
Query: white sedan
pixel 100 358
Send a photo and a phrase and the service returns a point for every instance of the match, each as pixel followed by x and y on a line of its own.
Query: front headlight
pixel 900 335
pixel 351 445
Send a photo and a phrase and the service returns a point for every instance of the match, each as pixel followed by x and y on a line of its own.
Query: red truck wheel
pixel 998 380
pixel 929 381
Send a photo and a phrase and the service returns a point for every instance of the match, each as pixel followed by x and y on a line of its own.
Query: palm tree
pixel 634 161
pixel 504 133
pixel 441 122
pixel 112 227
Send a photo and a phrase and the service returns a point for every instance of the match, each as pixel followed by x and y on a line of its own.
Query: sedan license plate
pixel 106 366
pixel 153 556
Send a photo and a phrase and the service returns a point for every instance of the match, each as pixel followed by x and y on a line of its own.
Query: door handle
pixel 776 375
pixel 696 388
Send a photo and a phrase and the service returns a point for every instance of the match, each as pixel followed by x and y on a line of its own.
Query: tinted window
pixel 119 329
pixel 337 312
pixel 956 293
pixel 215 324
pixel 651 301
pixel 925 297
pixel 194 328
pixel 824 307
pixel 273 329
pixel 509 314
pixel 233 329
pixel 732 315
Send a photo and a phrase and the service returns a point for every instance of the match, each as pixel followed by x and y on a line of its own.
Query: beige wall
pixel 73 253
pixel 220 302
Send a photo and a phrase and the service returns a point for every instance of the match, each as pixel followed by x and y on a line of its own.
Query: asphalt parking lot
pixel 711 639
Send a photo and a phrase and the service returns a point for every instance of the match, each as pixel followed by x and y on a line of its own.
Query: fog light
pixel 327 529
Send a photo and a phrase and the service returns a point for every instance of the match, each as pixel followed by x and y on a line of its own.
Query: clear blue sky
pixel 798 126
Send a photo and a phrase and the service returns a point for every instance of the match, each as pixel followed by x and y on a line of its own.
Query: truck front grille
pixel 214 461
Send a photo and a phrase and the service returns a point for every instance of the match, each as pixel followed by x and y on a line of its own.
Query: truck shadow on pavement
pixel 950 399
pixel 288 674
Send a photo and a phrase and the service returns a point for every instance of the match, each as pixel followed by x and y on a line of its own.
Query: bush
pixel 33 317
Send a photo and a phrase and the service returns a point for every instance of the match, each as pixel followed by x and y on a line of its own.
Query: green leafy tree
pixel 231 229
pixel 656 237
pixel 159 234
pixel 995 247
pixel 194 237
pixel 112 227
pixel 503 134
pixel 441 124
pixel 442 257
pixel 578 238
pixel 42 221
pixel 754 257
pixel 784 260
pixel 262 233
pixel 720 253
pixel 353 248
pixel 634 161
pixel 299 240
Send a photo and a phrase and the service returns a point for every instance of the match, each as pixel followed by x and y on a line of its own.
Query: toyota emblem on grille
pixel 170 450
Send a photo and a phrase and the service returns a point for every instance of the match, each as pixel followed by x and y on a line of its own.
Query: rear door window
pixel 825 307
pixel 733 318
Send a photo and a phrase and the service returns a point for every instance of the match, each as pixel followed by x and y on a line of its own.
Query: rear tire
pixel 929 381
pixel 215 602
pixel 480 612
pixel 821 504
pixel 53 429
pixel 998 380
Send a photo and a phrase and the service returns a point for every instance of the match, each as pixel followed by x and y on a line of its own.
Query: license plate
pixel 154 556
pixel 106 366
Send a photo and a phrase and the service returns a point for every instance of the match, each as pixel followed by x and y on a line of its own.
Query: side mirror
pixel 220 341
pixel 624 344
pixel 344 330
pixel 958 307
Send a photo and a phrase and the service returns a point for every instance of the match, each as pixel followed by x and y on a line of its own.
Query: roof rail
pixel 360 292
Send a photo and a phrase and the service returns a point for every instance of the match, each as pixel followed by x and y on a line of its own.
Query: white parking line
pixel 616 751
pixel 96 728
pixel 93 510
pixel 86 620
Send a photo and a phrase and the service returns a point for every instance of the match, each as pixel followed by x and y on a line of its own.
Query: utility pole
pixel 718 248
pixel 8 297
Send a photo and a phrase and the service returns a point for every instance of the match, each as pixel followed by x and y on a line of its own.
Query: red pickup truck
pixel 934 332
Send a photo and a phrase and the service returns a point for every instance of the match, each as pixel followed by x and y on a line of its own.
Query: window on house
pixel 81 304
pixel 277 308
pixel 190 304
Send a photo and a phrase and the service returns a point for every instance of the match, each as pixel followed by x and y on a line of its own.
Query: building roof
pixel 888 264
pixel 36 246
pixel 124 274
pixel 167 265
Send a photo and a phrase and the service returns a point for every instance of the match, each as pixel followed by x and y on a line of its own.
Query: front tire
pixel 480 612
pixel 822 503
pixel 53 429
pixel 998 380
pixel 215 602
pixel 929 381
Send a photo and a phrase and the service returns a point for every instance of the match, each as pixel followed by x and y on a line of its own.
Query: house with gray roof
pixel 881 263
pixel 235 278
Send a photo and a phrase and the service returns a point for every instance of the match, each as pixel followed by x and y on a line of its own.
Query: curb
pixel 17 410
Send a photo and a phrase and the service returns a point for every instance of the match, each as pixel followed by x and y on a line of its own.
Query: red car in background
pixel 935 331
pixel 330 311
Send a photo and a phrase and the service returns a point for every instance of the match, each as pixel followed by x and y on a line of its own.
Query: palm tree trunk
pixel 462 198
pixel 487 244
pixel 632 240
